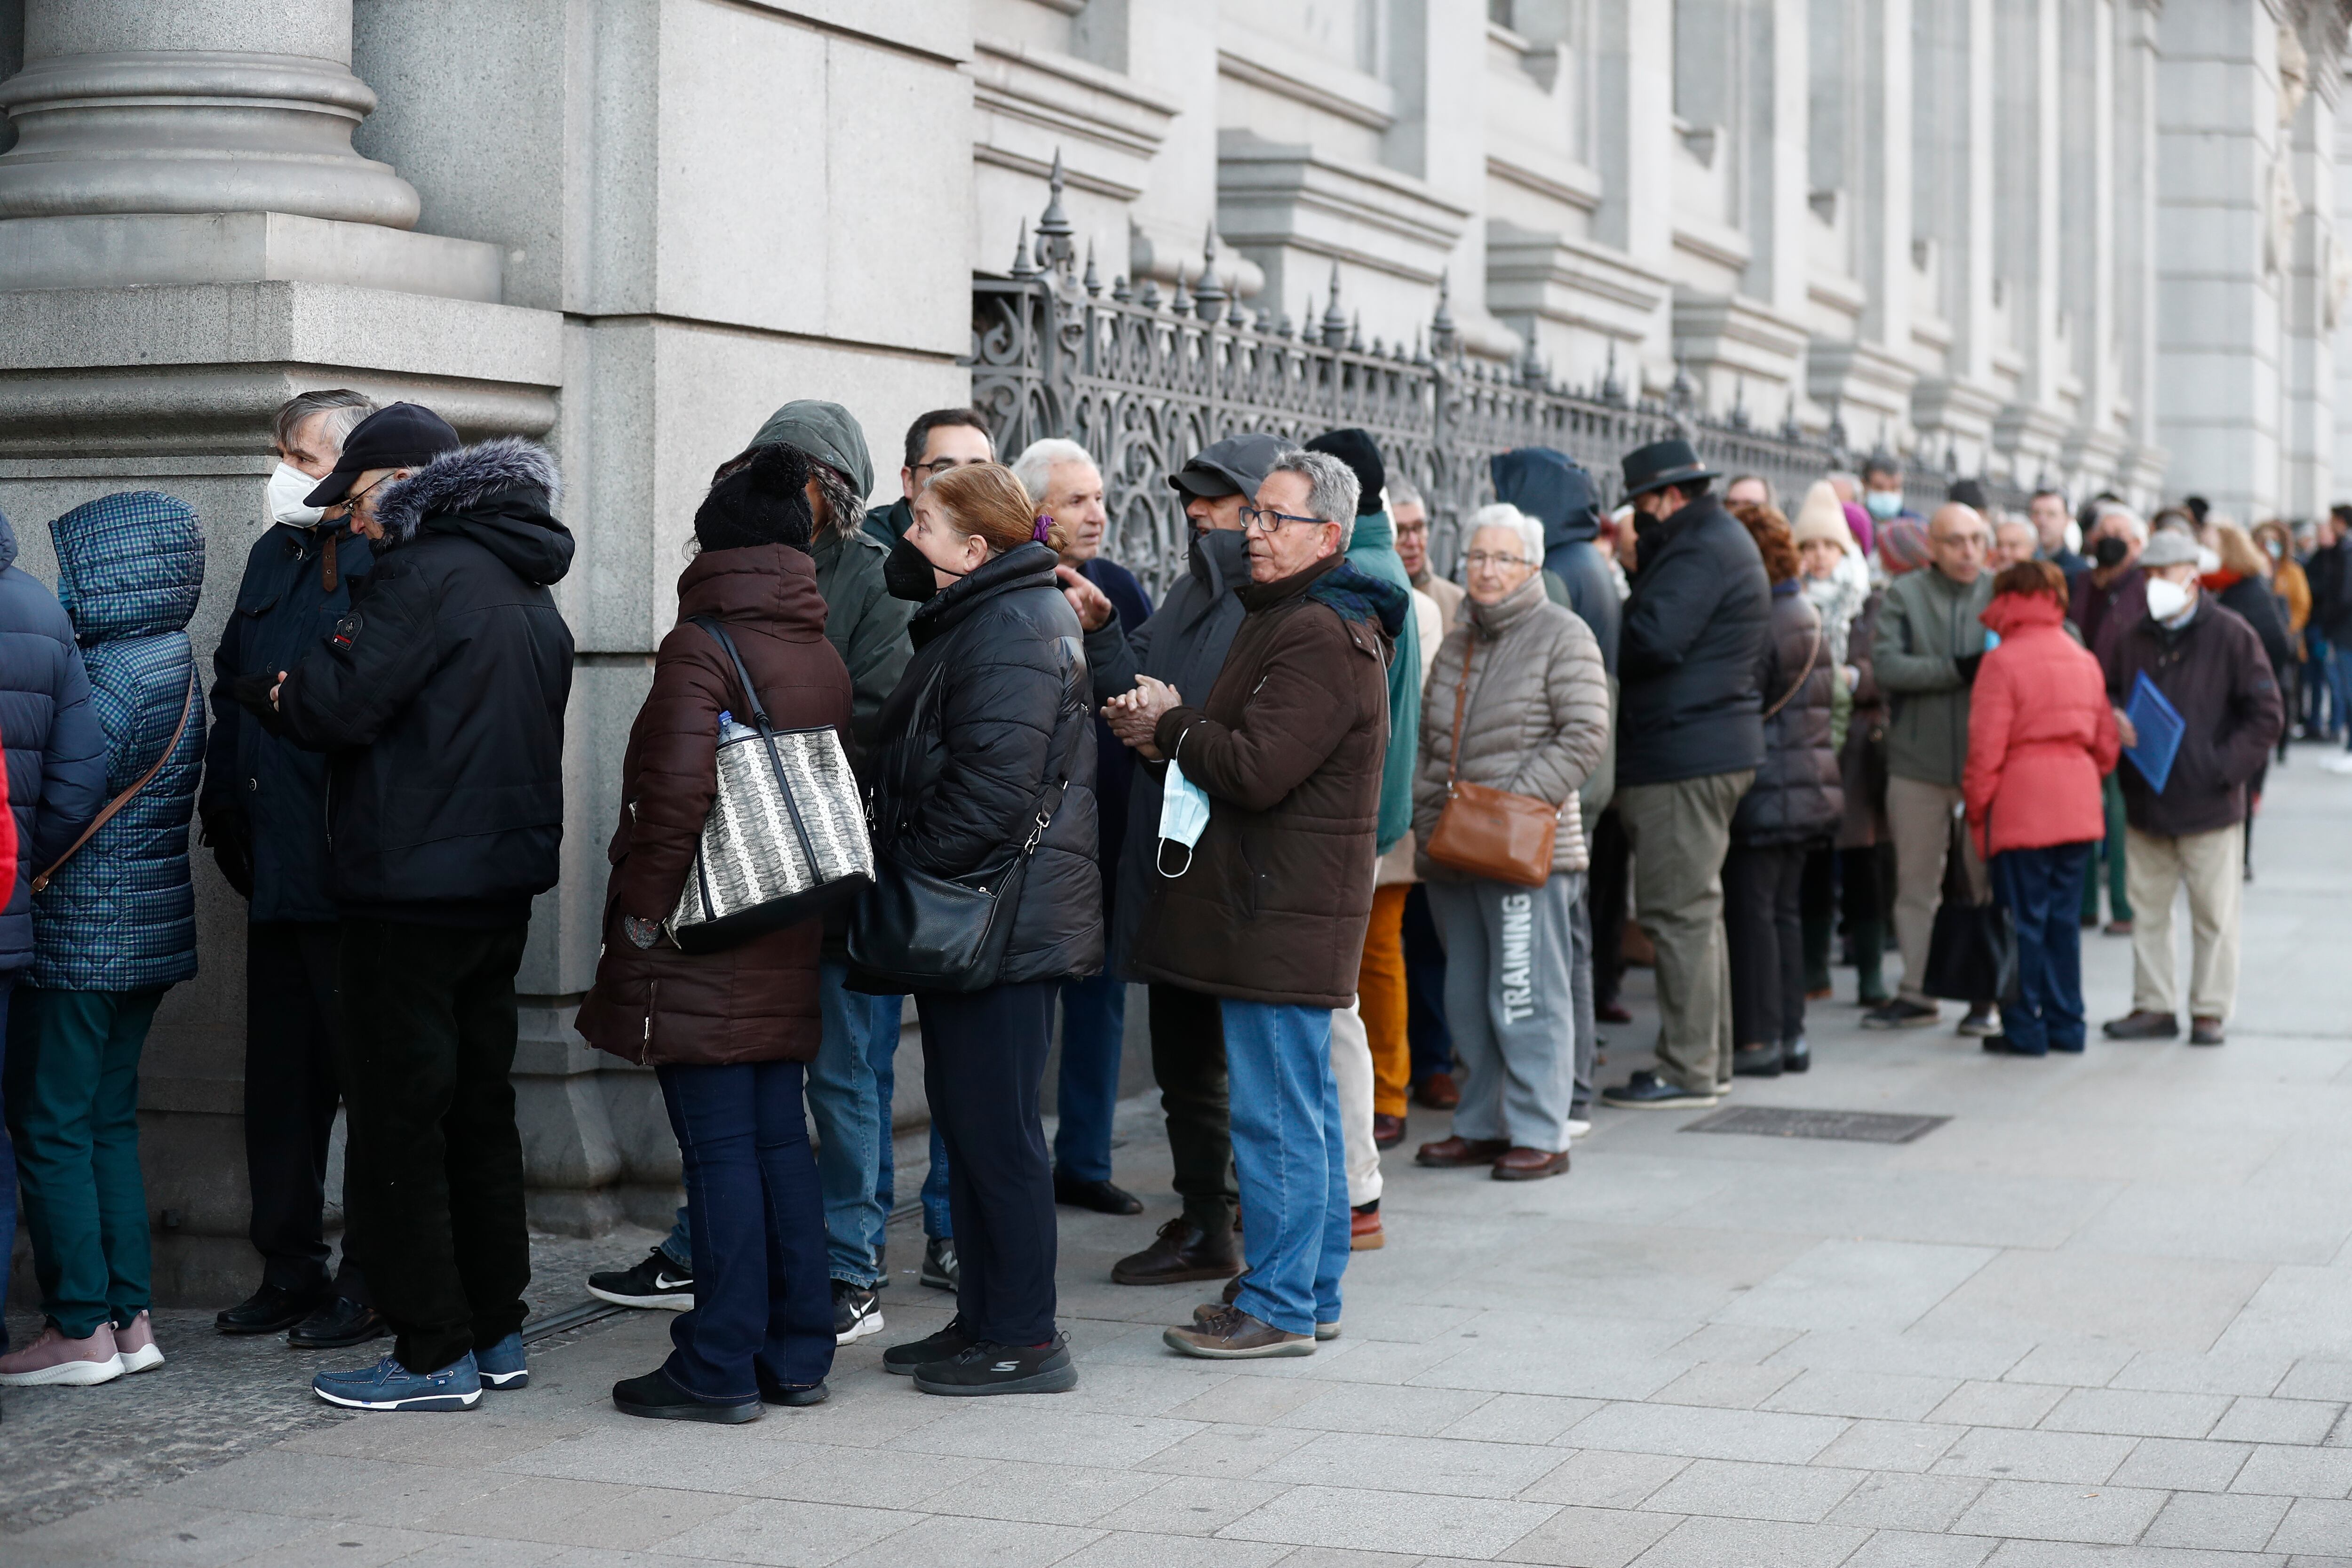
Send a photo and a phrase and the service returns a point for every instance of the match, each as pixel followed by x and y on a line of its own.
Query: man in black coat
pixel 438 698
pixel 264 810
pixel 1690 738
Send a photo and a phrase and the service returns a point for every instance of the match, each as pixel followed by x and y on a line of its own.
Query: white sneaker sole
pixel 427 1401
pixel 66 1374
pixel 146 1359
pixel 870 1325
pixel 671 1304
pixel 507 1380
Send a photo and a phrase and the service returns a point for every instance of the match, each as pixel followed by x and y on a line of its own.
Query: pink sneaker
pixel 135 1342
pixel 55 1359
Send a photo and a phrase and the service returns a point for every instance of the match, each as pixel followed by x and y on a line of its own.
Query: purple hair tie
pixel 1045 523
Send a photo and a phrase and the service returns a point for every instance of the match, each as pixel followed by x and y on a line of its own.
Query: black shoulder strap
pixel 718 634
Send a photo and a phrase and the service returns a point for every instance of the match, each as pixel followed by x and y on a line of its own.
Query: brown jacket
pixel 1288 748
pixel 756 1002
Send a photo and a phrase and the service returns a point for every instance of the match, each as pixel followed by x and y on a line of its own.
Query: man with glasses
pixel 942 439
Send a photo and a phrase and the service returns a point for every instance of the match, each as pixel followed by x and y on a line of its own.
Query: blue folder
pixel 2159 727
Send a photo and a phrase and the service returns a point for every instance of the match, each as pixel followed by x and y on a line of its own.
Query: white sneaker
pixel 1578 1129
pixel 53 1360
pixel 135 1342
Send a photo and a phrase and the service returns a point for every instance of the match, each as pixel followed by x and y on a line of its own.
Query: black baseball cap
pixel 401 436
pixel 1236 465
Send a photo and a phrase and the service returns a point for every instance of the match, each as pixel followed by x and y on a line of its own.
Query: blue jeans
pixel 8 1161
pixel 1094 1033
pixel 2042 889
pixel 853 1134
pixel 760 1300
pixel 2339 686
pixel 937 1221
pixel 1293 1161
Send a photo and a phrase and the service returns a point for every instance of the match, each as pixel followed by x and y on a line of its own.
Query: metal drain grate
pixel 1853 1126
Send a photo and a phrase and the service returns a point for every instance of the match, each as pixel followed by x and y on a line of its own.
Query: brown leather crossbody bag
pixel 188 708
pixel 1489 832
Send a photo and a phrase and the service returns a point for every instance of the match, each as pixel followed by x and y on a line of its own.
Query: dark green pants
pixel 73 1111
pixel 2112 852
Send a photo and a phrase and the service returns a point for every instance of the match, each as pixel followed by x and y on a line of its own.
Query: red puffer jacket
pixel 2041 734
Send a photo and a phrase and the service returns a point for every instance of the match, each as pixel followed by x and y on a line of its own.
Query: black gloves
pixel 1967 667
pixel 224 834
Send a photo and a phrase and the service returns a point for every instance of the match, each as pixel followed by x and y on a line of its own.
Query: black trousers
pixel 1188 1061
pixel 432 1173
pixel 984 1068
pixel 1431 1041
pixel 1763 924
pixel 291 1094
pixel 1607 887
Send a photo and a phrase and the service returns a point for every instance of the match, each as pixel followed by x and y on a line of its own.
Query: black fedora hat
pixel 1663 463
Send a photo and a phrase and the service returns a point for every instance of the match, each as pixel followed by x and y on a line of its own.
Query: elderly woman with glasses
pixel 1517 700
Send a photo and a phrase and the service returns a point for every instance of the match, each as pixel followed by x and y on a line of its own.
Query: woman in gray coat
pixel 1518 974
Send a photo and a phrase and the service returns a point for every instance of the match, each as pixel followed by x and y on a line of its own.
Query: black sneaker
pixel 340 1321
pixel 1648 1092
pixel 1901 1015
pixel 939 1270
pixel 856 1312
pixel 656 1282
pixel 656 1398
pixel 1103 1197
pixel 272 1309
pixel 985 1367
pixel 793 1395
pixel 1982 1023
pixel 949 1342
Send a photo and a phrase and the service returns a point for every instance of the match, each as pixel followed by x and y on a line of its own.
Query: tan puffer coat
pixel 1538 719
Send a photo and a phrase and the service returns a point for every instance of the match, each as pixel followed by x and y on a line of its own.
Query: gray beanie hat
pixel 827 431
pixel 2170 547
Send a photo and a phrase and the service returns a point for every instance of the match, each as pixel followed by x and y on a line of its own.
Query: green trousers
pixel 73 1111
pixel 2119 906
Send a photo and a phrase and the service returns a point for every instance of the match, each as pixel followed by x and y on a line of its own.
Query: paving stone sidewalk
pixel 2103 1315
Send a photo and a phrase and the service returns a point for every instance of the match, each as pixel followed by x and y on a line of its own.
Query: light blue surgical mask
pixel 1881 504
pixel 1184 817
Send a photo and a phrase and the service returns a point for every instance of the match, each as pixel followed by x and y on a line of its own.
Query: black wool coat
pixel 1686 652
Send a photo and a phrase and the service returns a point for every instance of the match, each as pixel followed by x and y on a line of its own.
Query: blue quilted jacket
pixel 56 756
pixel 120 916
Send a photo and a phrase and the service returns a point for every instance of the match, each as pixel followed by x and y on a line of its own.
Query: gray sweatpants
pixel 1519 1000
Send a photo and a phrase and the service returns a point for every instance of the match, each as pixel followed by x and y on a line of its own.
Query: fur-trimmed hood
pixel 497 494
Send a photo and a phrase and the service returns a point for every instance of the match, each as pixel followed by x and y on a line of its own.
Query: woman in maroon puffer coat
pixel 727 1032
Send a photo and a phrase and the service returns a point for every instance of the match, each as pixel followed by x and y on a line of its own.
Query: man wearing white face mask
pixel 2209 664
pixel 263 807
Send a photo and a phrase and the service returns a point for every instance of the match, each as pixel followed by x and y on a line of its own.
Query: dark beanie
pixel 1361 452
pixel 765 502
pixel 1967 492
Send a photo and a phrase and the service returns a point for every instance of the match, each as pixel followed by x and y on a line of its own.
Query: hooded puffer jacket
pixel 1536 723
pixel 121 914
pixel 2040 732
pixel 1797 796
pixel 756 1001
pixel 439 698
pixel 55 751
pixel 994 710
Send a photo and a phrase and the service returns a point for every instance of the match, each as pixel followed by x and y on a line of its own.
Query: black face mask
pixel 1227 549
pixel 907 573
pixel 2110 551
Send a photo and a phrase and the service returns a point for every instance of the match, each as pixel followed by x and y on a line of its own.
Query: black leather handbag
pixel 1972 953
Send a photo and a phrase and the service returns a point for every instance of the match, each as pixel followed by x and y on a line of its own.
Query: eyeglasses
pixel 352 500
pixel 941 465
pixel 1272 521
pixel 1479 561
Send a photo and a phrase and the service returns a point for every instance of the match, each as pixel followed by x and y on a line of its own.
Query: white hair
pixel 1332 488
pixel 1035 466
pixel 1402 493
pixel 1503 514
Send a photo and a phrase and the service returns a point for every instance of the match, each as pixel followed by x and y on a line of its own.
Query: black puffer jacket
pixel 1798 795
pixel 994 708
pixel 439 698
pixel 1686 654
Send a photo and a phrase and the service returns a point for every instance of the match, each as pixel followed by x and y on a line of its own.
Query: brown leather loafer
pixel 2142 1025
pixel 1364 1232
pixel 2205 1031
pixel 1447 1153
pixel 1388 1131
pixel 1438 1091
pixel 1228 1334
pixel 1183 1251
pixel 1529 1165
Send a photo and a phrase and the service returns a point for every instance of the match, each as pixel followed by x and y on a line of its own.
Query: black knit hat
pixel 765 502
pixel 1361 452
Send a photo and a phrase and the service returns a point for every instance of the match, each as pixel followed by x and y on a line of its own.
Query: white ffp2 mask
pixel 288 487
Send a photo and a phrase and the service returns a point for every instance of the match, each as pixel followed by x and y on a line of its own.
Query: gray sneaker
pixel 939 1270
pixel 1228 1334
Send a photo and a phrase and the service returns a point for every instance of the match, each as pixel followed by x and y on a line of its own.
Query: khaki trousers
pixel 1679 832
pixel 2212 865
pixel 1920 818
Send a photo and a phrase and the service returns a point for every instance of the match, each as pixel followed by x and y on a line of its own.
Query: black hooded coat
pixel 1549 486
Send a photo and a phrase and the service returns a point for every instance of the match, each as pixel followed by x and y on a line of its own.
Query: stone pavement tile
pixel 863 1477
pixel 2299 1312
pixel 1121 1550
pixel 1936 1207
pixel 2316 1379
pixel 1726 1387
pixel 1889 1501
pixel 1034 1425
pixel 1372 1408
pixel 2176 1372
pixel 1752 1543
pixel 1867 1284
pixel 1978 1403
pixel 1510 1370
pixel 1227 1450
pixel 168 1534
pixel 2177 1219
pixel 478 1551
pixel 589 1513
pixel 1127 1388
pixel 972 1543
pixel 2316 1525
pixel 1414 1465
pixel 1251 1401
pixel 2182 1466
pixel 486 1436
pixel 1043 1493
pixel 2086 1149
pixel 363 1545
pixel 2070 1363
pixel 794 1533
pixel 1590 1538
pixel 1907 1445
pixel 1520 1418
pixel 1375 1361
pixel 1410 1322
pixel 867 1409
pixel 1876 1395
pixel 1907 1354
pixel 1997 1453
pixel 2217 1522
pixel 2141 1303
pixel 1390 1522
pixel 1597 1478
pixel 2050 1510
pixel 1191 1505
pixel 686 1454
pixel 1909 1549
pixel 2296 1473
pixel 2136 1413
pixel 2067 1555
pixel 1734 1343
pixel 1340 1557
pixel 1802 1494
pixel 1698 1433
pixel 2280 1420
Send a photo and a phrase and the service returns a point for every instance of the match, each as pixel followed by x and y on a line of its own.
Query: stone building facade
pixel 2087 241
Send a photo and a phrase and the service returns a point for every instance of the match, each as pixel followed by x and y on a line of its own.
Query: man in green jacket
pixel 1924 656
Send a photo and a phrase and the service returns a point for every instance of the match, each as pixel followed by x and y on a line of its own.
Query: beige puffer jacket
pixel 1538 719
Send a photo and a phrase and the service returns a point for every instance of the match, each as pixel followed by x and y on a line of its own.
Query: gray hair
pixel 1035 466
pixel 1403 492
pixel 1332 489
pixel 2132 519
pixel 1503 514
pixel 344 407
